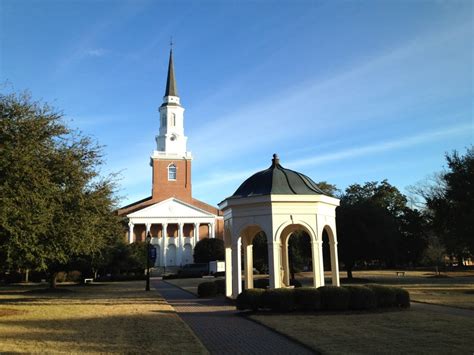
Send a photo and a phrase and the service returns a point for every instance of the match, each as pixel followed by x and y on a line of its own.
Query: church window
pixel 173 119
pixel 163 120
pixel 171 172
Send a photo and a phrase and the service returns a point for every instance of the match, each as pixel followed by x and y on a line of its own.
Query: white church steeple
pixel 171 140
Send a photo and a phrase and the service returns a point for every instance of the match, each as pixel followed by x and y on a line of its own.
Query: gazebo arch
pixel 277 202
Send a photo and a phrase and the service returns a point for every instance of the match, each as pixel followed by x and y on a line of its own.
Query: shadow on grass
pixel 118 333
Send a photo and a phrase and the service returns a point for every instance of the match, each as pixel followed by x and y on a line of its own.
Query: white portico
pixel 175 228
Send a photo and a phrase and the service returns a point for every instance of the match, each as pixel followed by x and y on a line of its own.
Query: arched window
pixel 171 172
pixel 173 119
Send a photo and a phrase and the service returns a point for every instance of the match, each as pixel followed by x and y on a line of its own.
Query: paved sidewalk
pixel 221 330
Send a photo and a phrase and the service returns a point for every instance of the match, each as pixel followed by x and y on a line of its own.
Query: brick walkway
pixel 222 331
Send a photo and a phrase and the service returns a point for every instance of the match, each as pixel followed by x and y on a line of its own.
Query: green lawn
pixel 101 318
pixel 410 331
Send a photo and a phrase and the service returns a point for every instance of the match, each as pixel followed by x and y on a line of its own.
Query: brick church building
pixel 175 220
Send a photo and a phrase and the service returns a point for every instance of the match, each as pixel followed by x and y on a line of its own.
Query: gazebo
pixel 277 202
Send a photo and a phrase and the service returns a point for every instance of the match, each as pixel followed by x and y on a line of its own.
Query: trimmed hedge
pixel 328 298
pixel 220 284
pixel 250 299
pixel 361 297
pixel 307 299
pixel 402 297
pixel 334 298
pixel 207 289
pixel 279 299
pixel 386 296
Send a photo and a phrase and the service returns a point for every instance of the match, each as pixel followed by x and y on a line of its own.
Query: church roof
pixel 276 180
pixel 171 88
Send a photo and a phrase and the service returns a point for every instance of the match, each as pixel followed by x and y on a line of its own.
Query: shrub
pixel 220 285
pixel 361 297
pixel 307 298
pixel 279 299
pixel 334 298
pixel 13 277
pixel 296 283
pixel 61 276
pixel 385 295
pixel 402 297
pixel 261 283
pixel 207 289
pixel 209 249
pixel 250 299
pixel 74 276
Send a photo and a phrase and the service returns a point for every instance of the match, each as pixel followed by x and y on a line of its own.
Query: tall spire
pixel 171 89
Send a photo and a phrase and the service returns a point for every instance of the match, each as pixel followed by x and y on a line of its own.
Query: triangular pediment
pixel 170 208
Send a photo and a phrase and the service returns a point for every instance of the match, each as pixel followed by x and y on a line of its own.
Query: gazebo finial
pixel 275 160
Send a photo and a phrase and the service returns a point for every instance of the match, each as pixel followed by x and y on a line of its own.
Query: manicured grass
pixel 409 331
pixel 110 317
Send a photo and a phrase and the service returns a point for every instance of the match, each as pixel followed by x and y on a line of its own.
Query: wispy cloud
pixel 95 52
pixel 352 152
pixel 380 89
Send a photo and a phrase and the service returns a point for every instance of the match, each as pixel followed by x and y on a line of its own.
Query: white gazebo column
pixel 248 263
pixel 321 261
pixel 228 270
pixel 196 233
pixel 147 229
pixel 274 268
pixel 318 276
pixel 130 232
pixel 180 243
pixel 285 262
pixel 334 265
pixel 236 269
pixel 164 241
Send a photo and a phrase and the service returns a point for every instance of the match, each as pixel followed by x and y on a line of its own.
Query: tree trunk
pixel 349 267
pixel 53 279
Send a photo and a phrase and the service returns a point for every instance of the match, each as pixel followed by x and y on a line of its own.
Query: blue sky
pixel 343 91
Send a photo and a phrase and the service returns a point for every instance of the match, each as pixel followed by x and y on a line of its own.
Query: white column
pixel 180 244
pixel 147 228
pixel 334 265
pixel 274 268
pixel 236 269
pixel 228 271
pixel 321 261
pixel 164 241
pixel 316 256
pixel 285 262
pixel 248 263
pixel 213 230
pixel 130 232
pixel 196 233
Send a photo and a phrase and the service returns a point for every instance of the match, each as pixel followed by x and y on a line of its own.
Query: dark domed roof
pixel 276 180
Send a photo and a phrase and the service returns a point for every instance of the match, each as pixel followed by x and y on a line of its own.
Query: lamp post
pixel 148 239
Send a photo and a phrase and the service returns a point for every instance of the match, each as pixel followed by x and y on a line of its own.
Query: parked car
pixel 194 270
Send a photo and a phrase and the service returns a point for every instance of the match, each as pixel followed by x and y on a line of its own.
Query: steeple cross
pixel 171 42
